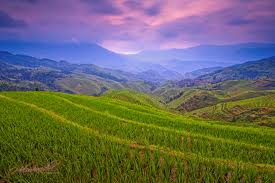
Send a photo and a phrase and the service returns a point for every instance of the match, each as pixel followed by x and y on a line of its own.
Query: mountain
pixel 233 100
pixel 80 53
pixel 200 72
pixel 174 61
pixel 21 72
pixel 253 70
pixel 231 84
pixel 186 67
pixel 240 88
pixel 159 76
pixel 205 56
pixel 234 53
pixel 83 53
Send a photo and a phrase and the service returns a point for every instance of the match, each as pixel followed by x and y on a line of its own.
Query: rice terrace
pixel 137 91
pixel 105 139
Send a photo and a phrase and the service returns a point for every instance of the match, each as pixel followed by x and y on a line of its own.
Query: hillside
pixel 190 99
pixel 53 136
pixel 135 98
pixel 238 82
pixel 253 70
pixel 21 72
pixel 257 109
pixel 200 72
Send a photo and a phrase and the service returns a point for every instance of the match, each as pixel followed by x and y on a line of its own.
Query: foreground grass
pixel 53 137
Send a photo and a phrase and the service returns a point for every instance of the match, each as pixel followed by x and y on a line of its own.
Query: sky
pixel 129 26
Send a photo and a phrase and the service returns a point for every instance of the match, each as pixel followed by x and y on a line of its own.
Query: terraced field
pixel 261 109
pixel 134 97
pixel 54 137
pixel 187 99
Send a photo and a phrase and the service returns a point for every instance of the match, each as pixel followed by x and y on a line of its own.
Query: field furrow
pixel 135 145
pixel 45 136
pixel 185 142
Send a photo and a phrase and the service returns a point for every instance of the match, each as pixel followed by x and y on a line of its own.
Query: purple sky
pixel 133 25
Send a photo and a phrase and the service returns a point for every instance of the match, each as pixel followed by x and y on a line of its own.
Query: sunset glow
pixel 129 26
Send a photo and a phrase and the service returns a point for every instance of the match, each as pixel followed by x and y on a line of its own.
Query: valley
pixel 85 123
pixel 188 96
pixel 115 125
pixel 132 91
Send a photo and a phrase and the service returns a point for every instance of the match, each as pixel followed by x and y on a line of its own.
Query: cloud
pixel 104 7
pixel 133 25
pixel 30 1
pixel 152 8
pixel 6 21
pixel 133 4
pixel 19 1
pixel 228 25
pixel 240 21
pixel 191 28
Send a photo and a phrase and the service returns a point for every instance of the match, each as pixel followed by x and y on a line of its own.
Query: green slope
pixel 193 99
pixel 251 70
pixel 260 109
pixel 187 99
pixel 26 73
pixel 88 85
pixel 134 97
pixel 53 137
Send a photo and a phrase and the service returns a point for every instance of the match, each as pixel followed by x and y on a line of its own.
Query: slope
pixel 48 137
pixel 257 109
pixel 253 70
pixel 191 99
pixel 134 97
pixel 21 72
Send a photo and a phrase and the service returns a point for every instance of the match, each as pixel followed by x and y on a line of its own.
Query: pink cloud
pixel 133 25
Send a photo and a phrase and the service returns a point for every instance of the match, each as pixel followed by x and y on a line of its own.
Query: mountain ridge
pixel 174 60
pixel 210 52
pixel 250 70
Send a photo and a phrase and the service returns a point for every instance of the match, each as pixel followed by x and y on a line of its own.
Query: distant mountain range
pixel 210 88
pixel 21 72
pixel 186 67
pixel 253 70
pixel 174 61
pixel 79 53
pixel 200 72
pixel 82 53
pixel 205 56
pixel 235 53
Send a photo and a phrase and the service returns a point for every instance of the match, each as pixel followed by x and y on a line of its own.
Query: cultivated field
pixel 260 109
pixel 56 137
